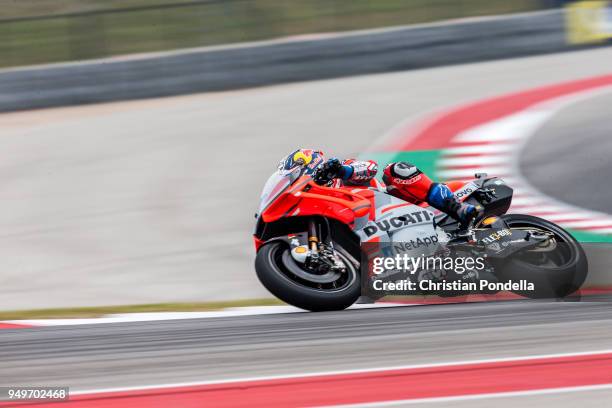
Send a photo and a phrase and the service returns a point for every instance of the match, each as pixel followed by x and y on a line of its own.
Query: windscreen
pixel 278 182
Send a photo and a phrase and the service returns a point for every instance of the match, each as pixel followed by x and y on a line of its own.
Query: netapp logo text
pixel 394 223
pixel 416 243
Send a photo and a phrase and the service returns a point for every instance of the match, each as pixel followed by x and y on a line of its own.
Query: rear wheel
pixel 556 271
pixel 295 284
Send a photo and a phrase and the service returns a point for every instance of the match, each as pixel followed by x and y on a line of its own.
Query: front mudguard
pixel 292 240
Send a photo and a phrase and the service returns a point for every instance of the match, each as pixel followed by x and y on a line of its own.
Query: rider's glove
pixel 330 170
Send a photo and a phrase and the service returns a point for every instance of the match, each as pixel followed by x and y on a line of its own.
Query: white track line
pixel 148 317
pixel 343 372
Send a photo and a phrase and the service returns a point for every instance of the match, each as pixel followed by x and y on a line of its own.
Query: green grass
pixel 116 27
pixel 423 159
pixel 97 311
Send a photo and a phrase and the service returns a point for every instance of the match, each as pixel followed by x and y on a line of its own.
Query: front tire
pixel 283 284
pixel 556 279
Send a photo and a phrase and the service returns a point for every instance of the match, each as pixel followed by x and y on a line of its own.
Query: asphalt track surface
pixel 149 353
pixel 570 157
pixel 152 201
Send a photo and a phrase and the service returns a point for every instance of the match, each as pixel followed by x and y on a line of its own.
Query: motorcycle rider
pixel 402 180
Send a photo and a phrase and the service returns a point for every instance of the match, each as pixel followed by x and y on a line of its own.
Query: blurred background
pixel 37 32
pixel 136 135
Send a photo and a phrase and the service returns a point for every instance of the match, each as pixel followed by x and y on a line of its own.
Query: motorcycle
pixel 309 237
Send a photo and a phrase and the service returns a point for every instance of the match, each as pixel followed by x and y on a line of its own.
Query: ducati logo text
pixel 398 222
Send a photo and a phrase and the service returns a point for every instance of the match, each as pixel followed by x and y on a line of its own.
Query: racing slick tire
pixel 556 278
pixel 296 289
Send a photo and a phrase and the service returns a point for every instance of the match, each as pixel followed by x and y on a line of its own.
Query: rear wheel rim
pixel 558 258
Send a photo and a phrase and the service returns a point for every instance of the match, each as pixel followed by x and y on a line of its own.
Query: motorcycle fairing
pixel 305 198
pixel 392 216
pixel 373 214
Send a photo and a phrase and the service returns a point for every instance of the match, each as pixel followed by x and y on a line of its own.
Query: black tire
pixel 278 280
pixel 550 281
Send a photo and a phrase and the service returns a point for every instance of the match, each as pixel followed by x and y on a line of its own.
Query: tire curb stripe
pixel 434 381
pixel 488 137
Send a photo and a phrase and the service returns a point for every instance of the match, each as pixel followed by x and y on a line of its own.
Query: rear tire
pixel 550 281
pixel 277 279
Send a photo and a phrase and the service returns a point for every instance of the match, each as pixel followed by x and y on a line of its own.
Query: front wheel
pixel 555 273
pixel 296 285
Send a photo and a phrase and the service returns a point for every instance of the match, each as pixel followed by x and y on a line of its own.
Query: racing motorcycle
pixel 309 237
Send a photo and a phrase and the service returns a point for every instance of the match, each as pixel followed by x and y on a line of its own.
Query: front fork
pixel 319 253
pixel 313 237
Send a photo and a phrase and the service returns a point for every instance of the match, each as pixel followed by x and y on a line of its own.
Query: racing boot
pixel 442 198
